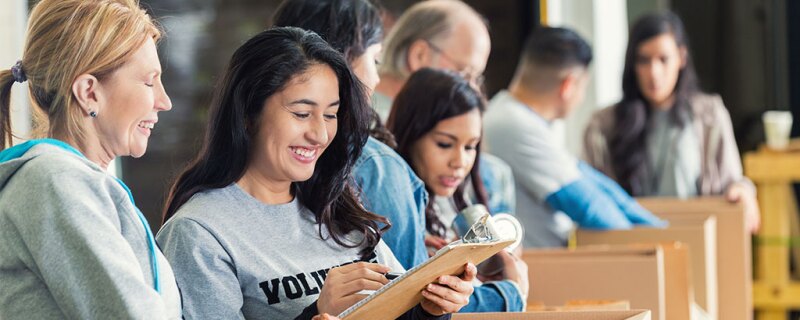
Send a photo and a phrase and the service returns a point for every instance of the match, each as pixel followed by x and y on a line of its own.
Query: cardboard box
pixel 700 235
pixel 734 248
pixel 584 305
pixel 557 315
pixel 638 274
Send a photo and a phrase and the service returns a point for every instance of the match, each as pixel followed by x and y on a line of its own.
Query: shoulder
pixel 602 121
pixel 504 109
pixel 47 169
pixel 378 159
pixel 506 117
pixel 375 148
pixel 204 206
pixel 709 108
pixel 492 163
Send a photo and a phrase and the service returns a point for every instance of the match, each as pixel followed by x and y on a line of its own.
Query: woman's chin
pixel 137 151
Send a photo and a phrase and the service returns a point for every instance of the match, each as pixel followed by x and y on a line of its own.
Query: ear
pixel 419 55
pixel 568 86
pixel 684 53
pixel 86 89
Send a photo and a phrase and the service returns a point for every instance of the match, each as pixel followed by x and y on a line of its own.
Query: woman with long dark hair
pixel 666 137
pixel 260 223
pixel 436 119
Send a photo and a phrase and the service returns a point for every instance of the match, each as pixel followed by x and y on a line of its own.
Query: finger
pixel 324 316
pixel 347 302
pixel 446 305
pixel 455 283
pixel 470 271
pixel 357 285
pixel 734 194
pixel 365 274
pixel 433 241
pixel 376 267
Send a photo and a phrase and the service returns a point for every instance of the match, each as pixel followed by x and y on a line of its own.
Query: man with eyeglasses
pixel 435 34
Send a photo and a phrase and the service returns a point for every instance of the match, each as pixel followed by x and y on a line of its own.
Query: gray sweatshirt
pixel 72 246
pixel 238 258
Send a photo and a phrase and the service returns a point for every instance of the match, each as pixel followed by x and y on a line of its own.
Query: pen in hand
pixel 392 275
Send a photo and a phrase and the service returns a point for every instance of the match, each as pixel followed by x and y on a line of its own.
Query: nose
pixel 459 159
pixel 317 132
pixel 162 100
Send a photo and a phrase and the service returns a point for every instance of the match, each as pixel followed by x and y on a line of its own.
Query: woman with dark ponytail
pixel 437 120
pixel 665 137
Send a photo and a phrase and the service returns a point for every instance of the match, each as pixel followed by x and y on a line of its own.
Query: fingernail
pixel 430 287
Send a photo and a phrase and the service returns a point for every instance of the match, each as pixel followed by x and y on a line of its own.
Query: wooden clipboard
pixel 403 293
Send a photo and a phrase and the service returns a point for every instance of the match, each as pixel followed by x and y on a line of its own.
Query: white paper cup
pixel 778 128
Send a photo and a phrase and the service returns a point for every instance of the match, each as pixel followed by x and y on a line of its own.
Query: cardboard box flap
pixel 557 315
pixel 734 276
pixel 701 239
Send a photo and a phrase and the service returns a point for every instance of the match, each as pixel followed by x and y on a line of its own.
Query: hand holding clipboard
pixel 405 292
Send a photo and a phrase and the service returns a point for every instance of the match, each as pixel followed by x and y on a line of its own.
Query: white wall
pixel 12 36
pixel 604 24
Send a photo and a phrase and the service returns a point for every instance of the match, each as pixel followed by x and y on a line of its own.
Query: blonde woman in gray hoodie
pixel 73 245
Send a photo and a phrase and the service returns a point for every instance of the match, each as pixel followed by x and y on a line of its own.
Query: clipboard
pixel 403 293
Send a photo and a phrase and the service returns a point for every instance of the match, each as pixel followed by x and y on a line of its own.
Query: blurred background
pixel 748 51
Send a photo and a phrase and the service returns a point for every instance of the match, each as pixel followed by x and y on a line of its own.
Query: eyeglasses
pixel 462 69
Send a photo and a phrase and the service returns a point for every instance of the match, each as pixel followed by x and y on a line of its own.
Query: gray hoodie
pixel 72 246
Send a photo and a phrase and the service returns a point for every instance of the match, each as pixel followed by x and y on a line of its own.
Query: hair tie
pixel 18 73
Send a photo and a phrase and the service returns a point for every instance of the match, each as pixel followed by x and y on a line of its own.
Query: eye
pixel 301 115
pixel 470 148
pixel 330 116
pixel 149 85
pixel 444 145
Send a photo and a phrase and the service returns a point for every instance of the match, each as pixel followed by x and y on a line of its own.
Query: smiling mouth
pixel 304 154
pixel 147 125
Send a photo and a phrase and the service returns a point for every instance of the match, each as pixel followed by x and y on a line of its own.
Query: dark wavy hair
pixel 628 142
pixel 261 67
pixel 428 97
pixel 349 26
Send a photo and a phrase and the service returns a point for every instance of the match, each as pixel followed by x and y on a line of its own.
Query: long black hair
pixel 428 97
pixel 628 141
pixel 261 67
pixel 349 26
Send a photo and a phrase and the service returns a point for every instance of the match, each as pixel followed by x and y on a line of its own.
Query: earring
pixel 93 114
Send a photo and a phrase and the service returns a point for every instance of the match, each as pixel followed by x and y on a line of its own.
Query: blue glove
pixel 635 213
pixel 586 204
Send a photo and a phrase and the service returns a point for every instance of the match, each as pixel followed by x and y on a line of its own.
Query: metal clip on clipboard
pixel 480 232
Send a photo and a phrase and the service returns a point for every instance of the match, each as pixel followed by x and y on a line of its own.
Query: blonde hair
pixel 427 20
pixel 65 39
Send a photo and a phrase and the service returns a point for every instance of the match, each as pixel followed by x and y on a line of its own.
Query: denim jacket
pixel 390 188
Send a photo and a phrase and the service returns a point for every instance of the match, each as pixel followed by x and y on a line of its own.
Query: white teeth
pixel 146 125
pixel 303 152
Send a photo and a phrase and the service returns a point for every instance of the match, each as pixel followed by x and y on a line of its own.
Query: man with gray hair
pixel 444 34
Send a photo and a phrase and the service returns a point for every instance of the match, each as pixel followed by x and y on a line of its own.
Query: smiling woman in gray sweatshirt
pixel 265 224
pixel 73 245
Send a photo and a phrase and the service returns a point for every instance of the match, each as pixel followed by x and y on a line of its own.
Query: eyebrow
pixel 446 135
pixel 453 137
pixel 312 103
